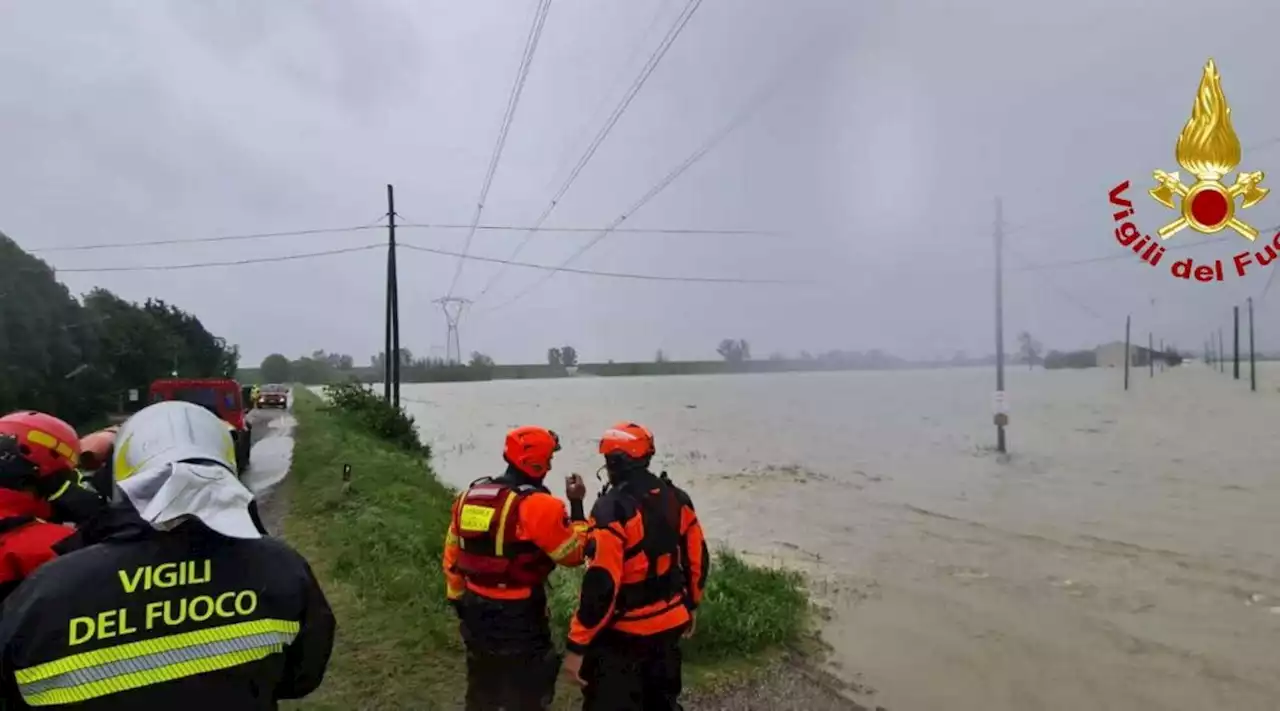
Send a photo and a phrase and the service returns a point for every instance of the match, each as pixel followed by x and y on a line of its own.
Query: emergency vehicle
pixel 222 396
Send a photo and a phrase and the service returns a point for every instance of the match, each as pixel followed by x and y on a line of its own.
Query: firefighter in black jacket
pixel 177 601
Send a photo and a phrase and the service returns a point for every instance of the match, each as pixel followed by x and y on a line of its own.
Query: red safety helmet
pixel 530 448
pixel 627 439
pixel 34 444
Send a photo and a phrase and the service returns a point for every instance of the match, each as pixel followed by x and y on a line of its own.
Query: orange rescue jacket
pixel 647 562
pixel 505 539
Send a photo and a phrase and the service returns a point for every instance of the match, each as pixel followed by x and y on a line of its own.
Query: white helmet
pixel 175 460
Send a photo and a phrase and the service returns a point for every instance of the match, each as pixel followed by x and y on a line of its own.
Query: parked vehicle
pixel 222 396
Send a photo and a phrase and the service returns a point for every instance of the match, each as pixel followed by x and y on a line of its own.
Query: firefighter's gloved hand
pixel 574 488
pixel 71 501
pixel 54 486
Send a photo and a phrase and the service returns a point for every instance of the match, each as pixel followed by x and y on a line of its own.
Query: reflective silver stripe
pixel 76 677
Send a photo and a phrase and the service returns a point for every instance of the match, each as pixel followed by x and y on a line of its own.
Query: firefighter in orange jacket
pixel 507 535
pixel 647 567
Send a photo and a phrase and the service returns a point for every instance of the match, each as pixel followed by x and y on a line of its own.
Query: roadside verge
pixel 376 547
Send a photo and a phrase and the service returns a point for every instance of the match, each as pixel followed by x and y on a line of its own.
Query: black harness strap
pixel 660 512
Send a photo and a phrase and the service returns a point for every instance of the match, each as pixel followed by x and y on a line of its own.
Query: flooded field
pixel 1124 556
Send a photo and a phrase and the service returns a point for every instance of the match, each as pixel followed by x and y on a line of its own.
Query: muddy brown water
pixel 1123 557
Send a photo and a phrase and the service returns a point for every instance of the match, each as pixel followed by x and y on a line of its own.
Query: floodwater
pixel 1123 557
pixel 272 450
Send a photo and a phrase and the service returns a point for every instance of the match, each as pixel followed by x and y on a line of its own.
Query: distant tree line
pixel 77 358
pixel 566 356
pixel 322 368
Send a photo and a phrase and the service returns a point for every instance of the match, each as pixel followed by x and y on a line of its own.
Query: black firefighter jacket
pixel 185 619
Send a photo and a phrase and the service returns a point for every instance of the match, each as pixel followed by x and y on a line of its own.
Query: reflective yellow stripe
pixel 98 657
pixel 451 538
pixel 48 441
pixel 451 592
pixel 125 682
pixel 565 549
pixel 61 490
pixel 502 523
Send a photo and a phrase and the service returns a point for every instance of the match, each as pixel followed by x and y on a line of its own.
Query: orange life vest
pixel 489 554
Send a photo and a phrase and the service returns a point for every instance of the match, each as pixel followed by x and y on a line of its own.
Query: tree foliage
pixel 734 351
pixel 568 356
pixel 76 358
pixel 1029 349
pixel 554 357
pixel 276 369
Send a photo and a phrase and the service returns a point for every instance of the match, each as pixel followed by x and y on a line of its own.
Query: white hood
pixel 175 460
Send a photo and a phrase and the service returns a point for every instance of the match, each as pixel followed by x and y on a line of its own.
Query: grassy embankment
pixel 377 547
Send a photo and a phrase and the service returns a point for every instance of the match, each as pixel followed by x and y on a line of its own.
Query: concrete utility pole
pixel 391 348
pixel 1253 364
pixel 1128 353
pixel 453 307
pixel 1235 315
pixel 1001 417
pixel 1222 365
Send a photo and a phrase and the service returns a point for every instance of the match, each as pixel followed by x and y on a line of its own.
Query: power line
pixel 756 101
pixel 517 88
pixel 1123 255
pixel 377 225
pixel 199 240
pixel 669 39
pixel 580 135
pixel 232 263
pixel 595 272
pixel 636 230
pixel 1067 296
pixel 431 250
pixel 1058 215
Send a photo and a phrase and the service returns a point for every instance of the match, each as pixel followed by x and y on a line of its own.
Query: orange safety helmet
pixel 629 439
pixel 530 448
pixel 34 444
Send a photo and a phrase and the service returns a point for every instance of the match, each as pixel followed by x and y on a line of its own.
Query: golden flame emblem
pixel 1209 149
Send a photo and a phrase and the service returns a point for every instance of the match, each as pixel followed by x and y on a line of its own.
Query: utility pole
pixel 1222 366
pixel 1001 417
pixel 1235 315
pixel 391 341
pixel 1128 354
pixel 395 298
pixel 453 307
pixel 1253 364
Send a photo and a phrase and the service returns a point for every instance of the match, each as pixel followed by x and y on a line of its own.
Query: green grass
pixel 377 548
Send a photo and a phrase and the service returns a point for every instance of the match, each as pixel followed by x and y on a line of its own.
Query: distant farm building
pixel 1111 355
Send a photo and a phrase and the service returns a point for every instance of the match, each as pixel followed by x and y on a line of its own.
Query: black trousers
pixel 629 673
pixel 511 664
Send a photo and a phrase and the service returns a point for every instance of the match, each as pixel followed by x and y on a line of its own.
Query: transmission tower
pixel 453 306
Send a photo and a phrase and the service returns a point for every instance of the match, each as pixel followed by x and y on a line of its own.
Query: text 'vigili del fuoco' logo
pixel 1208 149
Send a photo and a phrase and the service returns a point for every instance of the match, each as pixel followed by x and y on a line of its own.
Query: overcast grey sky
pixel 880 157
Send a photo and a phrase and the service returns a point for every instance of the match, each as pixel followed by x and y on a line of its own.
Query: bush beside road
pixel 376 548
